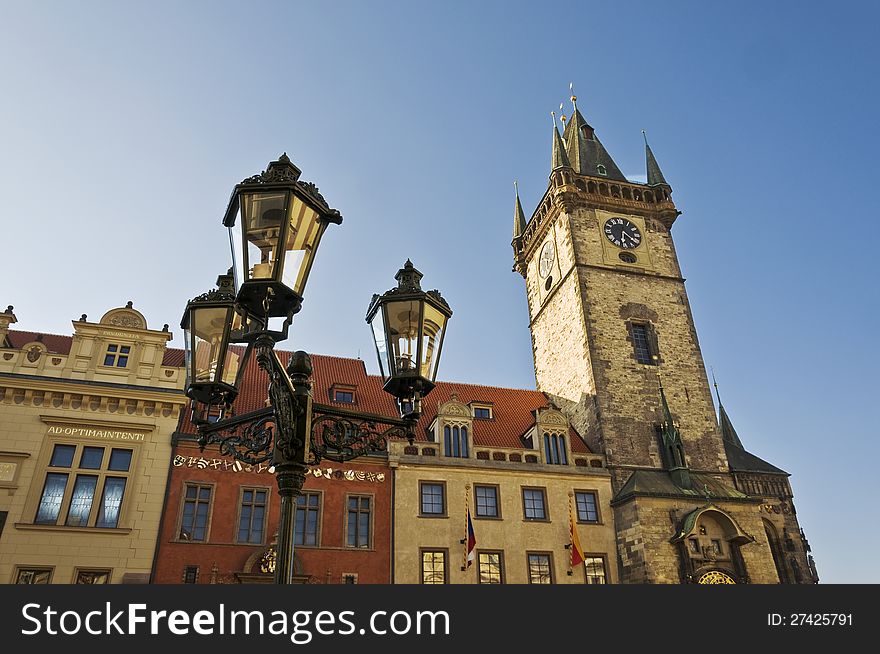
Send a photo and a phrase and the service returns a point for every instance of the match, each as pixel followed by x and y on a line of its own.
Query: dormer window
pixel 600 169
pixel 117 355
pixel 342 394
pixel 482 412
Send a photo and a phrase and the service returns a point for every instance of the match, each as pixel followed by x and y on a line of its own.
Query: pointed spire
pixel 519 218
pixel 655 175
pixel 667 416
pixel 585 148
pixel 673 448
pixel 728 433
pixel 714 382
pixel 559 158
pixel 575 138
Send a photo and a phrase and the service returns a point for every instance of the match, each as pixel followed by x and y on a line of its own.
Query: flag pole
pixel 470 540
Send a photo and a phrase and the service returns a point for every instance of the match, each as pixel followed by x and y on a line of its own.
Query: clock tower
pixel 616 349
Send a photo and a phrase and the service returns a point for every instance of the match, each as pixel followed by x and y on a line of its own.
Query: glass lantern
pixel 275 225
pixel 210 323
pixel 408 327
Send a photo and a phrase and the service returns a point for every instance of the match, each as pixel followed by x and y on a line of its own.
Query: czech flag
pixel 471 539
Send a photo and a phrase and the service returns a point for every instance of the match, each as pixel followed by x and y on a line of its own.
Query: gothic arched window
pixel 554 449
pixel 455 441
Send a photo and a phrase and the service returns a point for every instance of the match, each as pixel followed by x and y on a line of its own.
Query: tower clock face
pixel 623 233
pixel 545 263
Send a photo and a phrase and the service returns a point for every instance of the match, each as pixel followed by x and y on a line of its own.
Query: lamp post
pixel 275 224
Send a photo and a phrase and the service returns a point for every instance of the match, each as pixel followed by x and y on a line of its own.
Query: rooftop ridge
pixel 439 381
pixel 499 388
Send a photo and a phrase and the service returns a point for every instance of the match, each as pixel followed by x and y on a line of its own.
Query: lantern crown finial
pixel 225 291
pixel 226 283
pixel 408 278
pixel 281 170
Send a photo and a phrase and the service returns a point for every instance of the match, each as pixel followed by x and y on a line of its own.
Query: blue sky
pixel 123 128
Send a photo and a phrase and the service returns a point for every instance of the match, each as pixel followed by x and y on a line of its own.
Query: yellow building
pixel 513 460
pixel 85 445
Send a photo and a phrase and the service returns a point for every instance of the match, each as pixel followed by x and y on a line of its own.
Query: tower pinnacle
pixel 559 156
pixel 655 175
pixel 519 218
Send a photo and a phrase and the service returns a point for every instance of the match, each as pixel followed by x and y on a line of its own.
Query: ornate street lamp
pixel 210 323
pixel 275 225
pixel 408 327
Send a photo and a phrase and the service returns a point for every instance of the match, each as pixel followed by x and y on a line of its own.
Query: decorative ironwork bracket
pixel 276 432
pixel 340 435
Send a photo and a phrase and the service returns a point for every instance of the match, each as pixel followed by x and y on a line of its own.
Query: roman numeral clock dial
pixel 622 233
pixel 548 256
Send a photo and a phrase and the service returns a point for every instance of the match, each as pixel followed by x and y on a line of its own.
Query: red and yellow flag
pixel 577 552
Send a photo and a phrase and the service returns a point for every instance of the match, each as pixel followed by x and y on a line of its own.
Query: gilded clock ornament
pixel 716 577
pixel 623 233
pixel 545 262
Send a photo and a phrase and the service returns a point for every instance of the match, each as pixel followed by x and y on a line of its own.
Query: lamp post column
pixel 293 428
pixel 290 481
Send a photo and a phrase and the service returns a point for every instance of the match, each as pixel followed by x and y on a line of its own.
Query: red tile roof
pixel 512 408
pixel 173 358
pixel 54 343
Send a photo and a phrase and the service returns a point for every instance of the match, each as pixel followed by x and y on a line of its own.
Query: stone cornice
pixel 569 191
pixel 92 388
pixel 535 469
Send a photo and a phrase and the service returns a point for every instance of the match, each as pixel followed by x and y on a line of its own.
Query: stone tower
pixel 615 348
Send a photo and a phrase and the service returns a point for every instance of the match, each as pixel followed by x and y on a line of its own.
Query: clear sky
pixel 124 127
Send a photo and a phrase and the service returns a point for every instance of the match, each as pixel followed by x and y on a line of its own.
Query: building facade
pixel 399 516
pixel 85 444
pixel 513 461
pixel 616 349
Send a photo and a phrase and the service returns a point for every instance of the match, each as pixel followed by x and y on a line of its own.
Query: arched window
pixel 554 449
pixel 455 441
pixel 601 169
